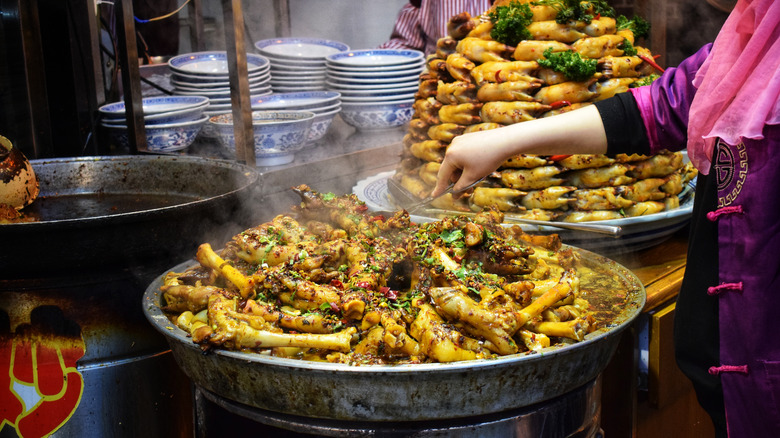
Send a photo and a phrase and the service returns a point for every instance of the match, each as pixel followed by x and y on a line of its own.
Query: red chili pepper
pixel 337 284
pixel 363 284
pixel 498 78
pixel 651 62
pixel 560 104
pixel 597 16
pixel 361 207
pixel 559 157
pixel 390 294
pixel 379 217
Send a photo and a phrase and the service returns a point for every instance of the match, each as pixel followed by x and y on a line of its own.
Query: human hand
pixel 469 158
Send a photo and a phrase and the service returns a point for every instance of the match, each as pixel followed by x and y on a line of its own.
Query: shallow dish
pixel 403 97
pixel 253 81
pixel 163 138
pixel 374 58
pixel 382 68
pixel 225 92
pixel 299 100
pixel 377 116
pixel 213 63
pixel 300 48
pixel 155 105
pixel 221 79
pixel 277 134
pixel 339 86
pixel 297 69
pixel 397 74
pixel 638 232
pixel 287 63
pixel 292 89
pixel 380 82
pixel 348 92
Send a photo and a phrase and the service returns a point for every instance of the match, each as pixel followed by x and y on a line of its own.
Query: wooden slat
pixel 239 81
pixel 131 75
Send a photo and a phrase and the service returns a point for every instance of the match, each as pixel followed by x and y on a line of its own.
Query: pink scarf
pixel 739 82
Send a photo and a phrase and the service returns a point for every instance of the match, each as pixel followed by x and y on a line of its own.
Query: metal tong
pixel 411 203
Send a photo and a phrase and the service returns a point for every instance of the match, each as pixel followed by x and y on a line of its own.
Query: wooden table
pixel 668 406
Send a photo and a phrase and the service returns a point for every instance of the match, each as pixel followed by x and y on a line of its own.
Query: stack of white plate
pixel 377 86
pixel 206 74
pixel 298 64
pixel 324 104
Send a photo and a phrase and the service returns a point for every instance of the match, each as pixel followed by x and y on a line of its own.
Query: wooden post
pixel 239 81
pixel 131 75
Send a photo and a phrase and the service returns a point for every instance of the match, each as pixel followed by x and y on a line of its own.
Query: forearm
pixel 575 132
pixel 477 154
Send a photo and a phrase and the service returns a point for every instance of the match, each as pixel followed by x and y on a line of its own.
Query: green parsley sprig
pixel 510 23
pixel 570 63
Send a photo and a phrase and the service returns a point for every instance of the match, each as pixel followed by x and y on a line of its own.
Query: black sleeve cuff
pixel 623 125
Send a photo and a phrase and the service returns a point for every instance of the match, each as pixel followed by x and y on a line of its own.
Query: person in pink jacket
pixel 723 104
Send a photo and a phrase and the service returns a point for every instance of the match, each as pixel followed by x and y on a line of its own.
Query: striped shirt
pixel 420 27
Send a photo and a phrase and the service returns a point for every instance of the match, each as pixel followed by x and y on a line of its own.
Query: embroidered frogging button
pixel 731 209
pixel 732 287
pixel 741 369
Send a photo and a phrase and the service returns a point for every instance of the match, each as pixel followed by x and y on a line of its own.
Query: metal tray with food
pixel 637 233
pixel 332 312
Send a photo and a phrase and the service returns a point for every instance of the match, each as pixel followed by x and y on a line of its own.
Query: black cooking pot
pixel 103 213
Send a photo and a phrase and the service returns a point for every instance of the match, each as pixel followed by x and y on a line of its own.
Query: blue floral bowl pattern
pixel 368 117
pixel 163 138
pixel 277 134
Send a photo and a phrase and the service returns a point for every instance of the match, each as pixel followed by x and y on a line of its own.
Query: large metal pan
pixel 98 213
pixel 401 392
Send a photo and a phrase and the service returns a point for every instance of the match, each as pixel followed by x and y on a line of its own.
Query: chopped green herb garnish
pixel 510 23
pixel 570 63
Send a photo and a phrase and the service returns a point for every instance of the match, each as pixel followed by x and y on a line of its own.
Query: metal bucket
pixel 77 356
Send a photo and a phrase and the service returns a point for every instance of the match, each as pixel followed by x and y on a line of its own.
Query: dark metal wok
pixel 400 392
pixel 97 213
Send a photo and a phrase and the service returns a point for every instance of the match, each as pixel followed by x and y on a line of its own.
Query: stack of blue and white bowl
pixel 298 64
pixel 172 122
pixel 377 87
pixel 207 74
pixel 324 104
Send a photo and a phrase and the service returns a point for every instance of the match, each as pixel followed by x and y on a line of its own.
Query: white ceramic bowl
pixel 161 109
pixel 222 80
pixel 163 138
pixel 277 134
pixel 377 57
pixel 320 125
pixel 378 92
pixel 299 48
pixel 398 75
pixel 377 116
pixel 297 100
pixel 347 100
pixel 381 68
pixel 212 64
pixel 341 85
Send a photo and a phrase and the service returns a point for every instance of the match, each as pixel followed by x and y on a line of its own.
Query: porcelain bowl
pixel 161 110
pixel 372 116
pixel 277 134
pixel 321 124
pixel 164 138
